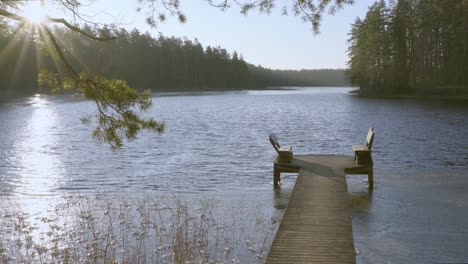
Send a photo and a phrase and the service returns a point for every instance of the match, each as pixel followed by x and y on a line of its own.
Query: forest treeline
pixel 407 45
pixel 144 61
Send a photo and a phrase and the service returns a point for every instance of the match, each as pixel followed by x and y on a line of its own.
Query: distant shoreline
pixel 412 96
pixel 5 96
pixel 280 88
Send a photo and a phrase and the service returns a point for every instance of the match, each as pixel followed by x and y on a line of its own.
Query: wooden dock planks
pixel 317 225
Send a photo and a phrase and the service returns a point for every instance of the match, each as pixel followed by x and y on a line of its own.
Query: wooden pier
pixel 316 226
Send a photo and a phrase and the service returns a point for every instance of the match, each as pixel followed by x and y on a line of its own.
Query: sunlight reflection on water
pixel 40 164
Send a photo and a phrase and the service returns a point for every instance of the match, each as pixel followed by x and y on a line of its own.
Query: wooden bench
pixel 285 154
pixel 362 153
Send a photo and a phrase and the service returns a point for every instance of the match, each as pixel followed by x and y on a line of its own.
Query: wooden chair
pixel 285 154
pixel 362 153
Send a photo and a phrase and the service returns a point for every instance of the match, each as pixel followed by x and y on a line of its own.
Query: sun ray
pixel 20 63
pixel 5 51
pixel 79 59
pixel 50 50
pixel 39 60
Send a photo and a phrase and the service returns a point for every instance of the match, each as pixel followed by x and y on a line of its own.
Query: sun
pixel 34 12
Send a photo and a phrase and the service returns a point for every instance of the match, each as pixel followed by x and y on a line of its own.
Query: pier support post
pixel 276 176
pixel 370 179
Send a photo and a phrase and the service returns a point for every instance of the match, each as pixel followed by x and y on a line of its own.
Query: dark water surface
pixel 216 144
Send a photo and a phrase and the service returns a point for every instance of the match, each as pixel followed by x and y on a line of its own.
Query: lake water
pixel 216 145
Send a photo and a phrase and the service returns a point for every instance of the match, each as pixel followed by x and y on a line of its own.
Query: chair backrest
pixel 274 141
pixel 370 138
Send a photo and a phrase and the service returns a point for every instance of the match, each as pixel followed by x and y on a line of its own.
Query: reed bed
pixel 102 229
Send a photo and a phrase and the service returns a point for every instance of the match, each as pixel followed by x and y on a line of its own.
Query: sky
pixel 273 41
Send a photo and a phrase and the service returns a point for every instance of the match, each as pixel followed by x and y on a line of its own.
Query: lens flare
pixel 34 12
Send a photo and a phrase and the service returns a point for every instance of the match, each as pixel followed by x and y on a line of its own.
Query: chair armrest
pixel 361 148
pixel 285 148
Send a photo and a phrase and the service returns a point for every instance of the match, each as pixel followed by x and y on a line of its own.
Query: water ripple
pixel 218 141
